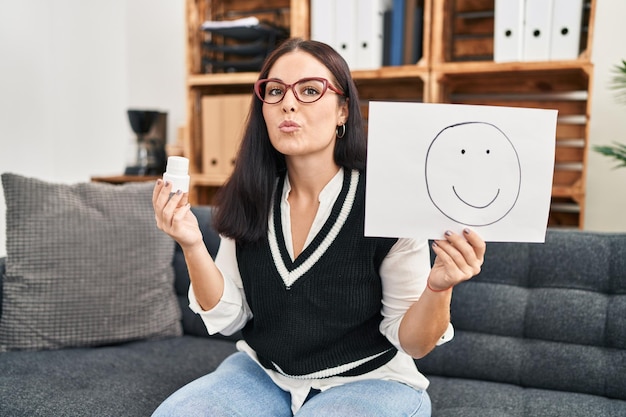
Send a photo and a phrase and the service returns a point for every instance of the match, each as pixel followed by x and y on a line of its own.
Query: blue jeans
pixel 239 387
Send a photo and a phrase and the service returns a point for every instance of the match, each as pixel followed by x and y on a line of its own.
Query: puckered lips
pixel 288 126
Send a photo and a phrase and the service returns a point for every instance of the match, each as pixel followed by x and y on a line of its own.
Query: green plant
pixel 619 81
pixel 616 150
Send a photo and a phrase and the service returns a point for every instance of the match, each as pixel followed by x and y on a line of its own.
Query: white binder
pixel 566 25
pixel 508 34
pixel 537 29
pixel 323 21
pixel 369 33
pixel 345 29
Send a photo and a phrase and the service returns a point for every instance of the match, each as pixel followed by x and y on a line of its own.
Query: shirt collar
pixel 328 194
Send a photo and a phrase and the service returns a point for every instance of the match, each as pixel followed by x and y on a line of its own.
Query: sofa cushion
pixel 456 397
pixel 129 379
pixel 85 266
pixel 545 316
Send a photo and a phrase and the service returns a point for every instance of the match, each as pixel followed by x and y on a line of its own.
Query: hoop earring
pixel 343 131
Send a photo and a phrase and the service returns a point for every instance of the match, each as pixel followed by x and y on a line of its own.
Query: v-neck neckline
pixel 290 270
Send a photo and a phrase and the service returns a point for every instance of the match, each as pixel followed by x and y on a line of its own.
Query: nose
pixel 289 101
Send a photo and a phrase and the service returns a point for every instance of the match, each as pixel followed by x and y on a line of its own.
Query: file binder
pixel 413 31
pixel 369 33
pixel 345 30
pixel 537 29
pixel 323 21
pixel 508 33
pixel 566 25
pixel 387 38
pixel 223 118
pixel 396 52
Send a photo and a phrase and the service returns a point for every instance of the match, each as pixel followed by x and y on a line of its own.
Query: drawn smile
pixel 475 206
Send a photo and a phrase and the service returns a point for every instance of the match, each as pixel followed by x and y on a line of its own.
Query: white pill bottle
pixel 177 173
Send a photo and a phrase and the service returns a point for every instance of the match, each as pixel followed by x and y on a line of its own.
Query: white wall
pixel 155 58
pixel 606 186
pixel 69 70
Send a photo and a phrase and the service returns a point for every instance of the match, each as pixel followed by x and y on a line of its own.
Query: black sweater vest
pixel 326 322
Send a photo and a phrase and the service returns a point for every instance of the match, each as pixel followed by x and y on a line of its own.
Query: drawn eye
pixel 488 151
pixel 462 151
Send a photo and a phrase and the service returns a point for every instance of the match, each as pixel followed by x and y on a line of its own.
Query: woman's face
pixel 303 130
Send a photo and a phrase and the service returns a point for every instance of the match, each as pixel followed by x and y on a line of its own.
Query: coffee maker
pixel 150 128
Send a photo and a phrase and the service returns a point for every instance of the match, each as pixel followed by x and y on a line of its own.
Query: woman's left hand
pixel 459 258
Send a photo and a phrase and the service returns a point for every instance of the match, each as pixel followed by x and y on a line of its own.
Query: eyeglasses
pixel 306 90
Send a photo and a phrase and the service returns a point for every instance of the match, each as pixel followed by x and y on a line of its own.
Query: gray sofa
pixel 540 332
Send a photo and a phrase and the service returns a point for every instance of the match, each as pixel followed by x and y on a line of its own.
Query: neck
pixel 308 176
pixel 310 181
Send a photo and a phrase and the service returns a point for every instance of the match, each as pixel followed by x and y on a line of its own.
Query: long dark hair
pixel 243 203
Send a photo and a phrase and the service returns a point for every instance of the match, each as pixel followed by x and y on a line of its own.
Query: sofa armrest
pixel 3 261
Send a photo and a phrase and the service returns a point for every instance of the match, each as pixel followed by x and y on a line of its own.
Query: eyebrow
pixel 301 78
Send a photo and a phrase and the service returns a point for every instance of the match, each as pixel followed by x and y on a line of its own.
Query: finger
pixel 181 212
pixel 170 207
pixel 184 200
pixel 158 186
pixel 445 260
pixel 477 242
pixel 463 262
pixel 473 255
pixel 448 254
pixel 175 199
pixel 454 261
pixel 163 197
pixel 156 203
pixel 442 255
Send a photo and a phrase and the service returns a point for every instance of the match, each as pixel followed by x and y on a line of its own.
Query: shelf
pixel 463 30
pixel 456 67
pixel 208 180
pixel 562 191
pixel 386 73
pixel 236 78
pixel 123 179
pixel 248 78
pixel 489 67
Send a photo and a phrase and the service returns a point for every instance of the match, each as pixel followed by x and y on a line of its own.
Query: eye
pixel 462 151
pixel 310 91
pixel 310 88
pixel 274 89
pixel 488 151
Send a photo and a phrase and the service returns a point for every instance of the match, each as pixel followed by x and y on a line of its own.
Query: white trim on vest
pixel 326 373
pixel 289 277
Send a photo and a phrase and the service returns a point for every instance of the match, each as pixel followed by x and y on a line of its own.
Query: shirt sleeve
pixel 232 311
pixel 404 273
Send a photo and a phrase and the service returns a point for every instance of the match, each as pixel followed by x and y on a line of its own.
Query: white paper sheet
pixel 438 167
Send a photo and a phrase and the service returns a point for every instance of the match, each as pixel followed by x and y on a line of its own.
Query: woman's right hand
pixel 173 215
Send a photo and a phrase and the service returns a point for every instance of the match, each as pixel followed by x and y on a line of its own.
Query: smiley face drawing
pixel 473 173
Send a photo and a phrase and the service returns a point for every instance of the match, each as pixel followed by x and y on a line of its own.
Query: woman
pixel 331 319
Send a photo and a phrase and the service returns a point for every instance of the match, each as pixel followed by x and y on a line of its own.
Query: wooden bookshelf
pixel 456 67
